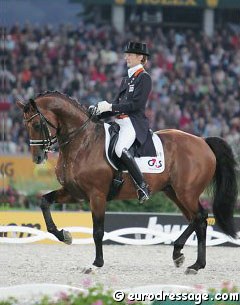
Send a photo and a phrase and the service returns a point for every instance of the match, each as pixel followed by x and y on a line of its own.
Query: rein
pixel 74 132
pixel 48 140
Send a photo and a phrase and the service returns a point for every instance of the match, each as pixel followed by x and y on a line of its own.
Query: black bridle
pixel 48 140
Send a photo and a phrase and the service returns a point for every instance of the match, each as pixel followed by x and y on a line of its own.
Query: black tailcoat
pixel 132 99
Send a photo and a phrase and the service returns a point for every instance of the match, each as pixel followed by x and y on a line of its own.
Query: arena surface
pixel 125 266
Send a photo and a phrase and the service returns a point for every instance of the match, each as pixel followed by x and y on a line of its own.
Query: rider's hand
pixel 92 110
pixel 103 106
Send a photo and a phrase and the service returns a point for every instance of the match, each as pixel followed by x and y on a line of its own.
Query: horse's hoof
pixel 90 270
pixel 178 262
pixel 67 237
pixel 191 271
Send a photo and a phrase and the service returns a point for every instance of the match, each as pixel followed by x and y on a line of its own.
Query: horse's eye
pixel 37 126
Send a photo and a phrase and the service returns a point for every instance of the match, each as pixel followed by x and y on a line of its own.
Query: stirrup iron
pixel 142 195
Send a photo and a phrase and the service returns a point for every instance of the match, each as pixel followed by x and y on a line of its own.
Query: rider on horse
pixel 129 110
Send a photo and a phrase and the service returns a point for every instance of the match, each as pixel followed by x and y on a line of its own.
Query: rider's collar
pixel 132 70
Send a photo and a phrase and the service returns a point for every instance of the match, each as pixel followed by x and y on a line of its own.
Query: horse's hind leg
pixel 201 230
pixel 194 212
pixel 178 257
pixel 59 196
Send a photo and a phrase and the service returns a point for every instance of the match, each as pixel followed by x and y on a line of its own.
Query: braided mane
pixel 71 100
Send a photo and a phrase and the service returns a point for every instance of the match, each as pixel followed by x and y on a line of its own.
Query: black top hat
pixel 136 48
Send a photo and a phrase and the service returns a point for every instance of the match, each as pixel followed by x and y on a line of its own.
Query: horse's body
pixel 83 171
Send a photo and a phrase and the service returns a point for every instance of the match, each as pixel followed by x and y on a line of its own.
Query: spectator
pixel 196 79
pixel 8 146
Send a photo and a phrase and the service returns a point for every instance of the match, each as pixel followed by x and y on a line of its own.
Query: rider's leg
pixel 127 136
pixel 128 160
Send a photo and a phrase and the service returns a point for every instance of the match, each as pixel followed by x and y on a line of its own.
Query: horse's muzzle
pixel 39 158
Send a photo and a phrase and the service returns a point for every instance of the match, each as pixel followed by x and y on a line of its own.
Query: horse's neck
pixel 74 122
pixel 69 116
pixel 84 143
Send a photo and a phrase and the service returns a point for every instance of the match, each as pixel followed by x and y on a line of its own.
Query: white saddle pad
pixel 153 165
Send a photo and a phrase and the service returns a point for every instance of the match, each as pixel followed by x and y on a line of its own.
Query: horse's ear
pixel 20 102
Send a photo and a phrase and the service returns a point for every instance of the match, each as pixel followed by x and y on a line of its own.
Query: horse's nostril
pixel 38 159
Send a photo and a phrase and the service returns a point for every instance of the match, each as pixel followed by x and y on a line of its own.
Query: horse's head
pixel 40 130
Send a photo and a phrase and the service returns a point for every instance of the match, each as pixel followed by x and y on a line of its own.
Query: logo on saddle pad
pixel 149 164
pixel 155 163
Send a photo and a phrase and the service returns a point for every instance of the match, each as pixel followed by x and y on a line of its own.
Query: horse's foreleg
pixel 59 196
pixel 98 205
pixel 98 233
pixel 201 230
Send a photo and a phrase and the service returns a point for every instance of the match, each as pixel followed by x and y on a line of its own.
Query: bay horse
pixel 192 164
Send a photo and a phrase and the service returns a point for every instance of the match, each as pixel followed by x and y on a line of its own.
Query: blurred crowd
pixel 196 79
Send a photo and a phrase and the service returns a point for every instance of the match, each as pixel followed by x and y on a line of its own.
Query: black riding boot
pixel 142 187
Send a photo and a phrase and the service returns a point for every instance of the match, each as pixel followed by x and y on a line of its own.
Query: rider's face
pixel 133 59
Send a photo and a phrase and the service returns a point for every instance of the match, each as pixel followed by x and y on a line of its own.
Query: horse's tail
pixel 224 185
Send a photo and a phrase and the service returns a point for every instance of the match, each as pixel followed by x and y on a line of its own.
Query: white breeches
pixel 127 135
